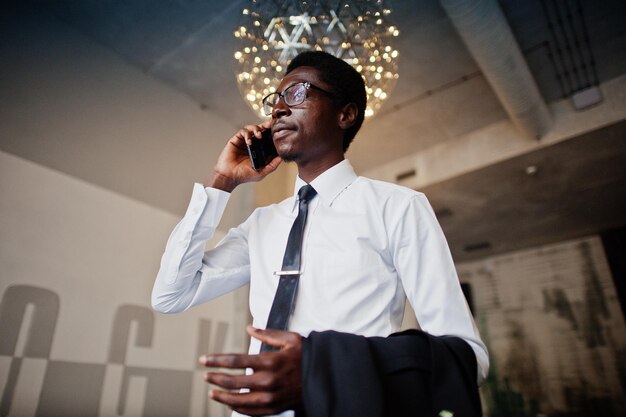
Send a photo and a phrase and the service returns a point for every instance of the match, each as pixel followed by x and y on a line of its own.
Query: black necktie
pixel 285 298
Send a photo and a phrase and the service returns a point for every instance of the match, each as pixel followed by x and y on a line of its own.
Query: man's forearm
pixel 174 286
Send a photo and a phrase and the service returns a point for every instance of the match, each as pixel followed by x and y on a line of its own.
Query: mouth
pixel 279 131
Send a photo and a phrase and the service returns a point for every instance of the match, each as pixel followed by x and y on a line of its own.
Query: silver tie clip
pixel 292 272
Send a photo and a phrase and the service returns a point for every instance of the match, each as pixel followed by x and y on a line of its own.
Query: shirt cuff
pixel 206 206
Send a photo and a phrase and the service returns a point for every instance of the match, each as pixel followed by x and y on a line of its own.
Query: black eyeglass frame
pixel 267 106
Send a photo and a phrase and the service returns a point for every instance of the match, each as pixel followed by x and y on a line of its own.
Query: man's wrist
pixel 220 182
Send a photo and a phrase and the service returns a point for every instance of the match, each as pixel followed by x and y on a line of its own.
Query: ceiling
pixel 441 95
pixel 572 189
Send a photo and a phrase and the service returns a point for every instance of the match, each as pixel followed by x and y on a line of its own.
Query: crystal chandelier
pixel 272 32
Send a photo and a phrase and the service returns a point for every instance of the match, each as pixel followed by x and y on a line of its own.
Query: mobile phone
pixel 262 150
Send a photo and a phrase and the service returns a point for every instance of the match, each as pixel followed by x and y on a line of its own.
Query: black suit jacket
pixel 407 374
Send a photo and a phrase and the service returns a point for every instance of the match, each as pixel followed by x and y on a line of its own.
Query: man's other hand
pixel 276 382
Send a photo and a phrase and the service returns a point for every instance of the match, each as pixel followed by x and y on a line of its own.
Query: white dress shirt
pixel 368 245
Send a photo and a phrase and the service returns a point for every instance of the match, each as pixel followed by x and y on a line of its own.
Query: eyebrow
pixel 294 83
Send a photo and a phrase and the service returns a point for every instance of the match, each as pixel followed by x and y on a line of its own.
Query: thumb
pixel 271 166
pixel 278 338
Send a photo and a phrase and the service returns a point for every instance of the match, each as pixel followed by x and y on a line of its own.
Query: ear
pixel 347 116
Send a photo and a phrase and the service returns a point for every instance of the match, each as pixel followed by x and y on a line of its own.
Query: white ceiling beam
pixel 487 35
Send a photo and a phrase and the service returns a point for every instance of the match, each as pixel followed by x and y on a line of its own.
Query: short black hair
pixel 347 84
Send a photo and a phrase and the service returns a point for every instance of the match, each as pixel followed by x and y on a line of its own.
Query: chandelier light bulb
pixel 272 32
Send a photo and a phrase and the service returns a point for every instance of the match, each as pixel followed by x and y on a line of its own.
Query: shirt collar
pixel 330 183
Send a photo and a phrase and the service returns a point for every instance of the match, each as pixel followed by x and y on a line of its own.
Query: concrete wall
pixel 556 334
pixel 78 334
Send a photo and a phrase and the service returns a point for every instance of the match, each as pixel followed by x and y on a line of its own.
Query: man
pixel 367 246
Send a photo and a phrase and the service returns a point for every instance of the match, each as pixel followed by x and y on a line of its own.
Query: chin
pixel 288 155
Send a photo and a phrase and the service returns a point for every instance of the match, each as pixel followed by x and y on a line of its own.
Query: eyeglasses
pixel 293 95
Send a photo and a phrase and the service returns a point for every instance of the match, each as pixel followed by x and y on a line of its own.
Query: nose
pixel 280 109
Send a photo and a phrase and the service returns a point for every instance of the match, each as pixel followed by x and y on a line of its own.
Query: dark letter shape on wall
pixel 39 335
pixel 120 334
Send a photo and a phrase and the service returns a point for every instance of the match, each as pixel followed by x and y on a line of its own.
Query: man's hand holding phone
pixel 234 165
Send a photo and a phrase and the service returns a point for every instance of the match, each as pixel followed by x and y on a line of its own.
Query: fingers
pixel 236 361
pixel 266 124
pixel 276 382
pixel 248 403
pixel 271 166
pixel 278 338
pixel 233 166
pixel 258 381
pixel 249 131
